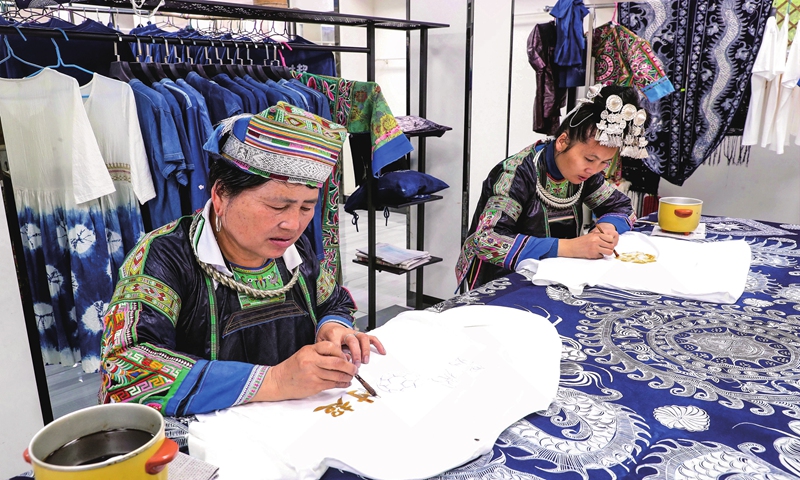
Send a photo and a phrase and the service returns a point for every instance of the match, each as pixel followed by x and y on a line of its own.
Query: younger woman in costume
pixel 531 203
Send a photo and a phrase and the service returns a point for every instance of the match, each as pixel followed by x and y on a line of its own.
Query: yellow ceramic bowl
pixel 146 462
pixel 679 214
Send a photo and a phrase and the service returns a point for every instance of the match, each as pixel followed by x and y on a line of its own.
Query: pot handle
pixel 160 459
pixel 683 212
pixel 26 455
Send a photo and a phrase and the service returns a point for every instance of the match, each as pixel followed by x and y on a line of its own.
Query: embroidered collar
pixel 550 161
pixel 208 249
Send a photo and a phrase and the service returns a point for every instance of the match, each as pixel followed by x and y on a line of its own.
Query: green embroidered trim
pixel 599 196
pixel 150 291
pixel 558 188
pixel 304 288
pixel 134 262
pixel 503 184
pixel 212 305
pixel 266 278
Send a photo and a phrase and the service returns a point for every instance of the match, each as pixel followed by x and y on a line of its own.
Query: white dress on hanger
pixel 762 74
pixel 768 135
pixel 58 174
pixel 111 108
pixel 788 116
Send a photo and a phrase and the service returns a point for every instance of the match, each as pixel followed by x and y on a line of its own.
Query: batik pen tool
pixel 363 382
pixel 603 233
pixel 366 385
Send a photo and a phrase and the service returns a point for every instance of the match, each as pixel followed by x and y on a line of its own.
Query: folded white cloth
pixel 449 384
pixel 710 272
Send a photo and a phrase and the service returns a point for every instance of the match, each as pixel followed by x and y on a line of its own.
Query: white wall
pixel 445 155
pixel 767 189
pixel 20 412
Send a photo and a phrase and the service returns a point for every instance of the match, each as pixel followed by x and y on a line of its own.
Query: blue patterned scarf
pixel 708 48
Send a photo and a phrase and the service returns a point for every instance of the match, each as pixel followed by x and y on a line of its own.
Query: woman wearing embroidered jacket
pixel 229 305
pixel 531 203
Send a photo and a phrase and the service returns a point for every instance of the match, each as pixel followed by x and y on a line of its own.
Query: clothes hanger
pixel 10 53
pixel 253 70
pixel 60 61
pixel 138 68
pixel 118 69
pixel 152 65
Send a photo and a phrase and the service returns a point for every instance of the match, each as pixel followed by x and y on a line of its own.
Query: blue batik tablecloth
pixel 656 387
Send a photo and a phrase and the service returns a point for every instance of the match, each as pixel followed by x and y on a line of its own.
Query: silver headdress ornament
pixel 615 118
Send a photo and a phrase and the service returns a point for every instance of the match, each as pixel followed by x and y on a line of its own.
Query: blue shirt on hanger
pixel 199 192
pixel 248 99
pixel 164 153
pixel 273 95
pixel 320 102
pixel 261 97
pixel 294 98
pixel 221 102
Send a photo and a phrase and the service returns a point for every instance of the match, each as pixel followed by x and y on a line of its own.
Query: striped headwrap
pixel 283 142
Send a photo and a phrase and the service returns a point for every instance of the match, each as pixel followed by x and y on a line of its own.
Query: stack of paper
pixel 390 255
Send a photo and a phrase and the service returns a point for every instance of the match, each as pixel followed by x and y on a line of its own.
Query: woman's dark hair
pixel 232 180
pixel 586 118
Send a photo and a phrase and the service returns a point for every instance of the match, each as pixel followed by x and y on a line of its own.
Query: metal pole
pixel 510 72
pixel 423 111
pixel 465 172
pixel 370 184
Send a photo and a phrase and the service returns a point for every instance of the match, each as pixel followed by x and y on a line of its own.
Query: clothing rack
pixel 150 39
pixel 547 8
pixel 222 10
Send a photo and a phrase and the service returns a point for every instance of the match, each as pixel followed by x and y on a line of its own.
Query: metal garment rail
pixel 259 12
pixel 145 39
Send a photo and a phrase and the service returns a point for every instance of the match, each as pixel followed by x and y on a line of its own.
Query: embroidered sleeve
pixel 609 204
pixel 494 239
pixel 141 361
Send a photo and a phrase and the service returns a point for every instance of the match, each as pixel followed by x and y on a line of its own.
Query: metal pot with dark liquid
pixel 108 441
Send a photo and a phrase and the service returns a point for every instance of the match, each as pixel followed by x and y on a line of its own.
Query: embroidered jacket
pixel 179 342
pixel 511 224
pixel 622 58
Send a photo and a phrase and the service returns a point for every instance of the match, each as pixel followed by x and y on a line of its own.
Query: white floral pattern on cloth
pixel 596 434
pixel 740 227
pixel 486 467
pixel 692 459
pixel 724 354
pixel 691 418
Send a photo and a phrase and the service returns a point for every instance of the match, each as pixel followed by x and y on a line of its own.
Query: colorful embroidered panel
pixel 264 279
pixel 151 291
pixel 134 262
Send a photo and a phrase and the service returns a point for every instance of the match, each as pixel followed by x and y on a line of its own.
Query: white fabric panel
pixel 111 109
pixel 763 72
pixel 449 384
pixel 709 272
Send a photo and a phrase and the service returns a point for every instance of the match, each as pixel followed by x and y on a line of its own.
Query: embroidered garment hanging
pixel 708 48
pixel 623 58
pixel 58 174
pixel 111 110
pixel 362 109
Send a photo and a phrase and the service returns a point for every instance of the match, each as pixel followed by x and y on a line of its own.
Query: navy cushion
pixel 395 188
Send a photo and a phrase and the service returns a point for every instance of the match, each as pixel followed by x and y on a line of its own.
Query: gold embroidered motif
pixel 336 409
pixel 362 397
pixel 637 257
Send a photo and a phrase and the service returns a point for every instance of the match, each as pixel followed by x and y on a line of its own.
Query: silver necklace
pixel 548 198
pixel 232 282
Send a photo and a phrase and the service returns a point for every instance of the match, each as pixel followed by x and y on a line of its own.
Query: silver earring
pixel 218 223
